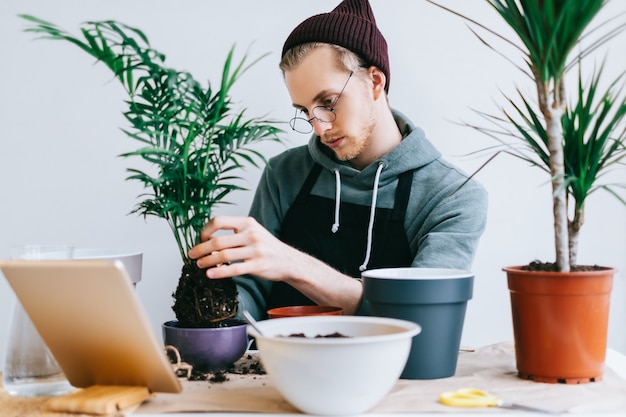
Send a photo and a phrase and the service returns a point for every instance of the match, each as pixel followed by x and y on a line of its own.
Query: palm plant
pixel 576 141
pixel 190 135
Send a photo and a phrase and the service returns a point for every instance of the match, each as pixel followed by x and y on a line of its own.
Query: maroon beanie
pixel 351 25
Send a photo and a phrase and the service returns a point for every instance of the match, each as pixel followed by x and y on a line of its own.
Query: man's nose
pixel 320 127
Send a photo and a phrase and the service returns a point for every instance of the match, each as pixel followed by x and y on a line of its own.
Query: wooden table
pixel 491 368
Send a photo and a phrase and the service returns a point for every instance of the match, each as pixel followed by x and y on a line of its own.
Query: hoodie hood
pixel 414 151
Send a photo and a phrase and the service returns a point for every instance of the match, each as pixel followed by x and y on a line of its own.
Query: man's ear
pixel 378 81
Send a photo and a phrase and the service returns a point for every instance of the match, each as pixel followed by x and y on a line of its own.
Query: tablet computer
pixel 93 322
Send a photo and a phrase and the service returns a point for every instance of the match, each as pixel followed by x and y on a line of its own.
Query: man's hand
pixel 252 249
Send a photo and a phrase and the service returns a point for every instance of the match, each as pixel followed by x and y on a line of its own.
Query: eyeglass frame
pixel 293 120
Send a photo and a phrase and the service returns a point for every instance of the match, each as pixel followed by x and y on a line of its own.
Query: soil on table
pixel 203 302
pixel 249 364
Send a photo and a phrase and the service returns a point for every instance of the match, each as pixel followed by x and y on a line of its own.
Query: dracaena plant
pixel 577 139
pixel 189 134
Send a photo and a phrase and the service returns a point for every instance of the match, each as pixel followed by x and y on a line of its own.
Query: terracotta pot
pixel 297 311
pixel 560 323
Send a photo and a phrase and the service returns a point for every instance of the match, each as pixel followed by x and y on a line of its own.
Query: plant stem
pixel 552 113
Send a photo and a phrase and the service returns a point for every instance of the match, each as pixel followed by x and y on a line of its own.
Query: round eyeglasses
pixel 320 113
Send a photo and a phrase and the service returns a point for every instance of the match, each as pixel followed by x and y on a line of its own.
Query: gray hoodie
pixel 443 225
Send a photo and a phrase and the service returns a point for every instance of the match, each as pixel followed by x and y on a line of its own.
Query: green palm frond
pixel 548 29
pixel 594 131
pixel 577 143
pixel 189 134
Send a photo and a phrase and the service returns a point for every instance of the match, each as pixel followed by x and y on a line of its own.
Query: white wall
pixel 60 120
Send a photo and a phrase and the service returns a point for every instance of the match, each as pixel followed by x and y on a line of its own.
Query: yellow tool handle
pixel 468 397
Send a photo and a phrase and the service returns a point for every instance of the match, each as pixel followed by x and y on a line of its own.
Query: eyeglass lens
pixel 321 113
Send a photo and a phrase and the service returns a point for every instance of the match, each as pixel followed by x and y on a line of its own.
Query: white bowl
pixel 334 376
pixel 132 260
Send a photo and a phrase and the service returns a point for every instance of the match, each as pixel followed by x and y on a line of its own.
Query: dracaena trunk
pixel 552 112
pixel 574 232
pixel 559 201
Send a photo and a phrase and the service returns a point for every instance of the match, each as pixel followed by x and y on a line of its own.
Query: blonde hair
pixel 345 58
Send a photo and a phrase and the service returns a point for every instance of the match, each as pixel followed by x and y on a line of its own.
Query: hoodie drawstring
pixel 337 200
pixel 370 227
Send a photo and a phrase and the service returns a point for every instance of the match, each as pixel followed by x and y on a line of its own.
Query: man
pixel 369 190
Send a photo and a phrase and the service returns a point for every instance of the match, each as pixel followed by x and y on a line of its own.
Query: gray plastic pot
pixel 434 298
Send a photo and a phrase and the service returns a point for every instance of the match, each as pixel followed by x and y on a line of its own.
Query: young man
pixel 368 191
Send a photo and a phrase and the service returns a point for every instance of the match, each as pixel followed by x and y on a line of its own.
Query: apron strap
pixel 403 192
pixel 306 188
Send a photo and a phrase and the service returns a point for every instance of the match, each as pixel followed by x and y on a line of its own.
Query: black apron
pixel 307 227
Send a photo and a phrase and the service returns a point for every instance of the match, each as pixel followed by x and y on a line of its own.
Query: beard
pixel 355 143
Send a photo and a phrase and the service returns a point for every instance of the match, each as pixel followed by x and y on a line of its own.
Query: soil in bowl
pixel 321 336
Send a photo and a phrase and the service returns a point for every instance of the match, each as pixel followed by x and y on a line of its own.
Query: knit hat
pixel 351 25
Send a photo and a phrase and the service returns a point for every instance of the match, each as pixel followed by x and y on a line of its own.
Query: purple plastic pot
pixel 208 349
